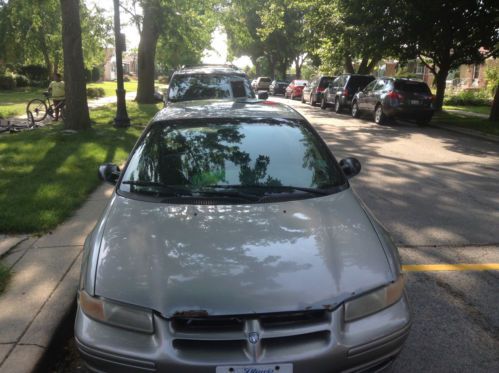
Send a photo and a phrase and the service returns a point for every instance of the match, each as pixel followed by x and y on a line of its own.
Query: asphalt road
pixel 437 192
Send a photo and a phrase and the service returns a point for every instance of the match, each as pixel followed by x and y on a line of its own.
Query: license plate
pixel 274 368
pixel 414 102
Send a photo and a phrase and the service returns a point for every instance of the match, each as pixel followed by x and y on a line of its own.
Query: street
pixel 437 193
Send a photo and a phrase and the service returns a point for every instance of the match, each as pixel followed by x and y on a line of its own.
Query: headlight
pixel 374 301
pixel 127 317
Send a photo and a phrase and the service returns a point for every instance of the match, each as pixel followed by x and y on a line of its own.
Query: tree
pixel 446 34
pixel 173 22
pixel 494 111
pixel 77 116
pixel 350 35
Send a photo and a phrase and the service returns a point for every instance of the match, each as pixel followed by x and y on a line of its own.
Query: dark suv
pixel 341 91
pixel 390 98
pixel 312 93
pixel 278 87
pixel 208 82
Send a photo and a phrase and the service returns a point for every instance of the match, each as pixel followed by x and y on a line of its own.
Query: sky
pixel 217 54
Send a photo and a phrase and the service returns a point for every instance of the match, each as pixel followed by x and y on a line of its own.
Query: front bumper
pixel 332 346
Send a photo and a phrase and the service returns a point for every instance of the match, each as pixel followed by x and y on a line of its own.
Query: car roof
pixel 240 108
pixel 209 69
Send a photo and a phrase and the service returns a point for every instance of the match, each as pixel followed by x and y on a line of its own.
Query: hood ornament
pixel 253 337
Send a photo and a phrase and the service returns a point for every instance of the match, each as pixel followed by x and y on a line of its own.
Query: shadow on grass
pixel 45 174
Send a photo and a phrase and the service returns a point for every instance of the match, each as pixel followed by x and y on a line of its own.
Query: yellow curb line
pixel 450 267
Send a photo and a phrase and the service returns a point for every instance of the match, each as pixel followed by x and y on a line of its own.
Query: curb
pixel 467 132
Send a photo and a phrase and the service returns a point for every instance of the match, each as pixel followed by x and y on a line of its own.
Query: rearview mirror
pixel 262 95
pixel 350 166
pixel 109 172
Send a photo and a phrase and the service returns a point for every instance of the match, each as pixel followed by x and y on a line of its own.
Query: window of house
pixel 476 71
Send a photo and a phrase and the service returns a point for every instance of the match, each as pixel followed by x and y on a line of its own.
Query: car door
pixel 363 96
pixel 334 88
pixel 375 93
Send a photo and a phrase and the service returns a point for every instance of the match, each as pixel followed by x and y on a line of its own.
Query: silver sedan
pixel 234 243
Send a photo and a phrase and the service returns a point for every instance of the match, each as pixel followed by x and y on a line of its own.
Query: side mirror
pixel 262 95
pixel 350 167
pixel 109 172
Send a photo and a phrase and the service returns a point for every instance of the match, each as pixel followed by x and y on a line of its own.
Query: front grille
pixel 222 338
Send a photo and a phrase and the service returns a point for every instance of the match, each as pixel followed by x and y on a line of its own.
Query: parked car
pixel 341 91
pixel 262 83
pixel 226 217
pixel 278 87
pixel 295 89
pixel 391 98
pixel 312 93
pixel 203 82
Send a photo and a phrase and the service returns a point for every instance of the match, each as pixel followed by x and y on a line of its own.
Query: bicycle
pixel 41 108
pixel 13 128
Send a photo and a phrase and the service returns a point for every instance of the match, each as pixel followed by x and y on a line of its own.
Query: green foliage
pixel 22 81
pixel 471 97
pixel 34 72
pixel 95 92
pixel 492 76
pixel 96 74
pixel 7 82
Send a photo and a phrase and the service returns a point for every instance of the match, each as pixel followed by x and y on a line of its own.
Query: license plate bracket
pixel 267 368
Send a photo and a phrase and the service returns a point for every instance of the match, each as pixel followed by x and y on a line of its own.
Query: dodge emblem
pixel 253 337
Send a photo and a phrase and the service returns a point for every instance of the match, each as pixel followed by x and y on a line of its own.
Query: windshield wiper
pixel 177 192
pixel 280 188
pixel 235 194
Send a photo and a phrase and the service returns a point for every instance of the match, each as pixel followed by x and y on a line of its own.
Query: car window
pixel 370 86
pixel 265 80
pixel 412 86
pixel 207 86
pixel 198 153
pixel 324 82
pixel 380 84
pixel 359 81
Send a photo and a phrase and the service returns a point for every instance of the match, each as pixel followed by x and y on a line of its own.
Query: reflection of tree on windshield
pixel 199 87
pixel 199 157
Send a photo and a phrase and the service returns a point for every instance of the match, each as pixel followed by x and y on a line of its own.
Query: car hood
pixel 238 259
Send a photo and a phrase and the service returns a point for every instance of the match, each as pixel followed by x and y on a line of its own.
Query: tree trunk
pixel 147 55
pixel 440 80
pixel 363 66
pixel 77 116
pixel 494 112
pixel 349 65
pixel 298 67
pixel 284 69
pixel 45 53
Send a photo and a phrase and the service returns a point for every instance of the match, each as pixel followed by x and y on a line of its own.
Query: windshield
pixel 325 81
pixel 196 156
pixel 413 87
pixel 359 81
pixel 208 86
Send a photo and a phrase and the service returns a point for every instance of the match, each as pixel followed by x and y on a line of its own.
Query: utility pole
pixel 121 119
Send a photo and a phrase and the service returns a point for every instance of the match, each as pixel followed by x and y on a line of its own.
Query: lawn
pixel 4 277
pixel 472 109
pixel 13 103
pixel 459 120
pixel 110 87
pixel 45 174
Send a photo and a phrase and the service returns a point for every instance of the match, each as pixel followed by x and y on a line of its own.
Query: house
pixel 129 64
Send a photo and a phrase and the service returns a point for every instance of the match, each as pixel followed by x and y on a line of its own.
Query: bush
pixel 95 92
pixel 40 83
pixel 492 76
pixel 95 74
pixel 22 81
pixel 7 82
pixel 126 78
pixel 34 72
pixel 469 97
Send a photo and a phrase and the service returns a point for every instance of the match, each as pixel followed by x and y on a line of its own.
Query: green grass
pixel 471 109
pixel 45 175
pixel 110 87
pixel 13 103
pixel 4 277
pixel 459 120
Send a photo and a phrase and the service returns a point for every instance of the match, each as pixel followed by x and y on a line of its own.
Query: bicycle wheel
pixel 38 108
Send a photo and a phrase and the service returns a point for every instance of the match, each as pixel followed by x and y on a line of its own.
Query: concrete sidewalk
pixel 42 289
